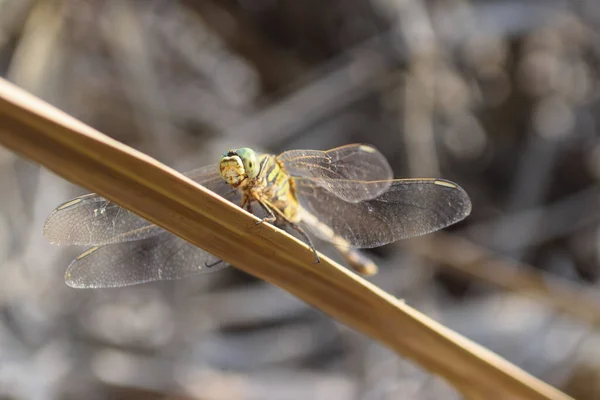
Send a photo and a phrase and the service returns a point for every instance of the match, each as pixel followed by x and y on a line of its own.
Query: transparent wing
pixel 410 207
pixel 94 221
pixel 162 257
pixel 351 162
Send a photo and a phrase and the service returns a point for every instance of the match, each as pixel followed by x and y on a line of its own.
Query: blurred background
pixel 501 97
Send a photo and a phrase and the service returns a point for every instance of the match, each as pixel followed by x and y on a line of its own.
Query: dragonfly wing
pixel 162 257
pixel 351 162
pixel 410 207
pixel 93 220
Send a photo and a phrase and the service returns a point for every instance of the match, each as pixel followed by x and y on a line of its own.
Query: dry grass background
pixel 498 96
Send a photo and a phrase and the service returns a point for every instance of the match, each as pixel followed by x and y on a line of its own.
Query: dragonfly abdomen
pixel 358 261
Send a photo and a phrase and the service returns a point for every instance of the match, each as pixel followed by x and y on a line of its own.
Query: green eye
pixel 250 161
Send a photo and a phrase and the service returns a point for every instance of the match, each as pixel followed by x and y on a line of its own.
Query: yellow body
pixel 273 188
pixel 276 189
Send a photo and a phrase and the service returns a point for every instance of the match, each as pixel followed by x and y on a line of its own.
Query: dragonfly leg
pixel 307 239
pixel 262 167
pixel 270 218
pixel 207 265
pixel 297 228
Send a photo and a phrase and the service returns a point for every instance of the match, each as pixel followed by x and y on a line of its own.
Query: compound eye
pixel 250 161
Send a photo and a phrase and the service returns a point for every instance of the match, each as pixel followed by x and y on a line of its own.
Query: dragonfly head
pixel 237 165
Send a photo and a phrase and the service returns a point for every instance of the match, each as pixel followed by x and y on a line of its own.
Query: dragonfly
pixel 345 196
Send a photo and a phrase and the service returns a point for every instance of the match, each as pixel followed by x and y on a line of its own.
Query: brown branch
pixel 84 156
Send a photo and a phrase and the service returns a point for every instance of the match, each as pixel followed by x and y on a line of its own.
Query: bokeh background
pixel 499 96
